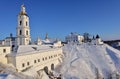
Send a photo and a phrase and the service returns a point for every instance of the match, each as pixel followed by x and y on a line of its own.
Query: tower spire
pixel 23 11
pixel 46 37
pixel 23 8
pixel 23 29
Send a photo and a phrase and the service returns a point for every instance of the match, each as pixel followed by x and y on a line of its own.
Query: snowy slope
pixel 85 61
pixel 9 72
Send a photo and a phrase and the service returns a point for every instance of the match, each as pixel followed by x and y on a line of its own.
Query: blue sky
pixel 60 17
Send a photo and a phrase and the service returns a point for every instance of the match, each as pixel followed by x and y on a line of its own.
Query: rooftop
pixel 30 49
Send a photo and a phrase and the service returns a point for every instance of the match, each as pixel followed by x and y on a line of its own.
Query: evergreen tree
pixel 93 38
pixel 97 36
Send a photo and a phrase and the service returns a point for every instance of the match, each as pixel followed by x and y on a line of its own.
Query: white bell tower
pixel 23 29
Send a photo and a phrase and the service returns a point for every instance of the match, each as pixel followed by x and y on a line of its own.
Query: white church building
pixel 74 37
pixel 25 55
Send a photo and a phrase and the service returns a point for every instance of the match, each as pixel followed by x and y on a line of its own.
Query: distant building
pixel 2 42
pixel 57 43
pixel 97 40
pixel 74 37
pixel 9 41
pixel 38 41
pixel 51 41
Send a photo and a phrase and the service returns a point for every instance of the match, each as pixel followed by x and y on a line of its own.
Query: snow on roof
pixel 30 49
pixel 49 40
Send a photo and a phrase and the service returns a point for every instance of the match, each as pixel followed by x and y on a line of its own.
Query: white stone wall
pixel 2 42
pixel 41 59
pixel 74 38
pixel 80 38
pixel 57 44
pixel 11 60
pixel 4 50
pixel 39 42
pixel 8 42
pixel 99 41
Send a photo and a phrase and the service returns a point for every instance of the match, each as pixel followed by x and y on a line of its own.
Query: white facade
pixel 8 42
pixel 57 43
pixel 23 29
pixel 4 50
pixel 99 41
pixel 2 42
pixel 74 37
pixel 39 41
pixel 35 56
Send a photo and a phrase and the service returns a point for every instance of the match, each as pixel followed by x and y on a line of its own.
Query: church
pixel 22 54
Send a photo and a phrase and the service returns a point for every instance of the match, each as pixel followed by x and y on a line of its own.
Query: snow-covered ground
pixel 85 61
pixel 8 76
pixel 9 72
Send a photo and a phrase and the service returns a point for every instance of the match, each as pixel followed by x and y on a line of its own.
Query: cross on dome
pixel 23 11
pixel 23 8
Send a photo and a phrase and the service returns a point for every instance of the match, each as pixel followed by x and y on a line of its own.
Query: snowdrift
pixel 88 61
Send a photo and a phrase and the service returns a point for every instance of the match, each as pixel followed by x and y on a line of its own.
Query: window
pixel 43 59
pixel 28 63
pixel 4 50
pixel 26 23
pixel 27 32
pixel 20 22
pixel 20 32
pixel 34 61
pixel 38 60
pixel 49 57
pixel 23 65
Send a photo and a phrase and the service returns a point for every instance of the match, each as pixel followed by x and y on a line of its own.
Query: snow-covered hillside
pixel 84 61
pixel 87 61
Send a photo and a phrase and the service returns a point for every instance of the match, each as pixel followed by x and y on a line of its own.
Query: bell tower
pixel 23 29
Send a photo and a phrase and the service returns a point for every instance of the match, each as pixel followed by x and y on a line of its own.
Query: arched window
pixel 26 23
pixel 20 22
pixel 35 61
pixel 28 63
pixel 52 67
pixel 20 32
pixel 46 69
pixel 23 65
pixel 27 32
